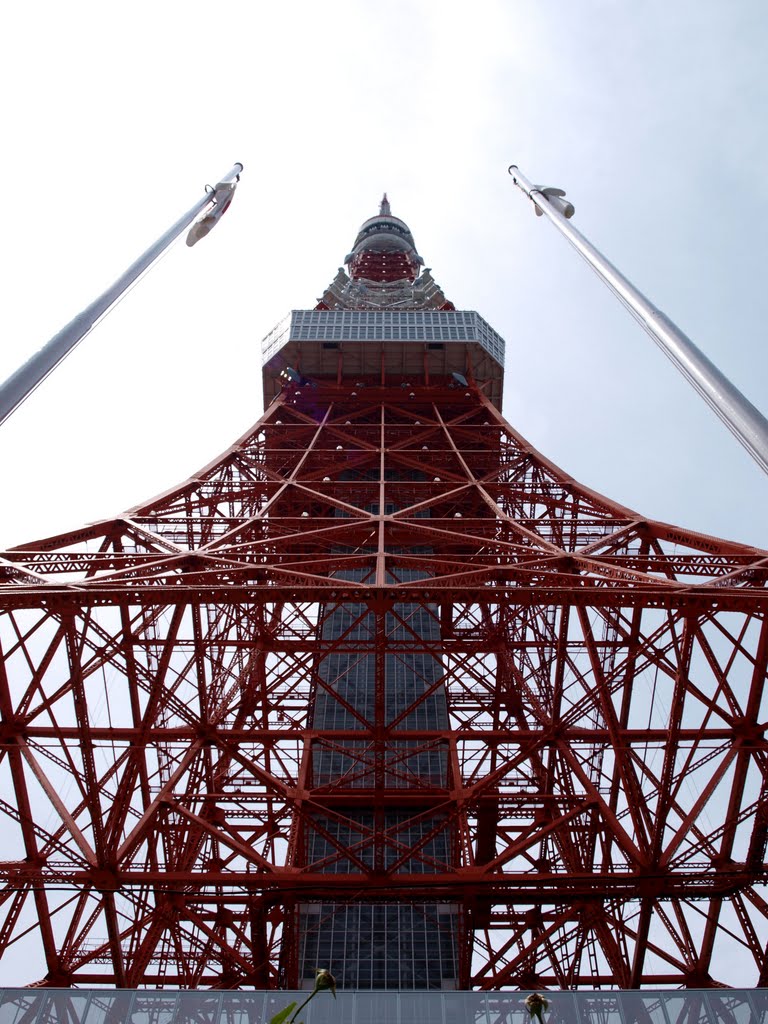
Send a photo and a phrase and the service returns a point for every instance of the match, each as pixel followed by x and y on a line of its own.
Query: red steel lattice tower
pixel 382 689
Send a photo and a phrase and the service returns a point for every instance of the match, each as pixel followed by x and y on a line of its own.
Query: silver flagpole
pixel 23 382
pixel 742 418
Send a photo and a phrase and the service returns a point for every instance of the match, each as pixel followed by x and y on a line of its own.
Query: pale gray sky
pixel 651 114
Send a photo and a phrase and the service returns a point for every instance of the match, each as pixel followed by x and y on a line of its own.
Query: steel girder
pixel 607 783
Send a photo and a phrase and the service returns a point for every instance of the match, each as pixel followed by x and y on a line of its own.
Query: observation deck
pixel 385 347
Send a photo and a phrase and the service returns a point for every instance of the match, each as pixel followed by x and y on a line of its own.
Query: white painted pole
pixel 23 382
pixel 743 419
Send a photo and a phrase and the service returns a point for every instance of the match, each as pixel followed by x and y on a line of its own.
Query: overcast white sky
pixel 651 114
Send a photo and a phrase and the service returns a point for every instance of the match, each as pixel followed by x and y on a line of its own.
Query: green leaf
pixel 283 1014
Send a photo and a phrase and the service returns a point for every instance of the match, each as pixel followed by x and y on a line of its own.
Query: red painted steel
pixel 383 266
pixel 607 782
pixel 606 681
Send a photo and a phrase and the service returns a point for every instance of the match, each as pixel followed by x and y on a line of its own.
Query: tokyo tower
pixel 383 690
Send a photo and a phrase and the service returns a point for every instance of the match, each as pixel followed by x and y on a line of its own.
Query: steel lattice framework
pixel 606 784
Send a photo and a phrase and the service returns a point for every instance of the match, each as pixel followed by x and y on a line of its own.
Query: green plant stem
pixel 298 1011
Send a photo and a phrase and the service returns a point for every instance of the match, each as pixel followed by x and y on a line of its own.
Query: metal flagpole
pixel 742 418
pixel 23 382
